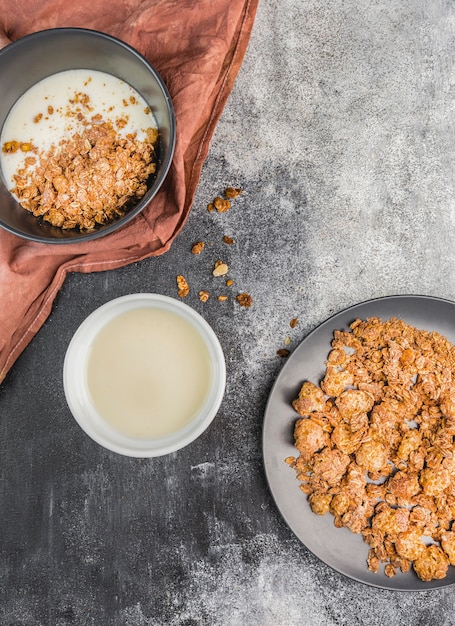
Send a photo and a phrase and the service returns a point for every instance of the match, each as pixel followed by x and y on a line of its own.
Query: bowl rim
pixel 164 165
pixel 77 395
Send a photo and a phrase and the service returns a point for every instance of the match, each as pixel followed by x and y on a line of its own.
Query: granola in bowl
pixel 92 152
pixel 87 182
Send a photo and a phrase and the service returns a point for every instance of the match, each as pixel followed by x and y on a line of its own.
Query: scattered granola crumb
pixel 198 247
pixel 232 192
pixel 221 269
pixel 183 287
pixel 283 353
pixel 244 299
pixel 224 204
pixel 221 205
pixel 293 323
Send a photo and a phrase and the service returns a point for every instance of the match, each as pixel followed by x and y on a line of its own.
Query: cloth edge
pixel 44 308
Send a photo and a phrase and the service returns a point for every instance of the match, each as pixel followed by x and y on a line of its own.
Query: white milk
pixel 52 109
pixel 148 372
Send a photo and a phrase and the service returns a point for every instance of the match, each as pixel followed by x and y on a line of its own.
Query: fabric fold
pixel 197 47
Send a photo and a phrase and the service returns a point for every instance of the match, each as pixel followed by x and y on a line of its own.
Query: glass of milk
pixel 144 375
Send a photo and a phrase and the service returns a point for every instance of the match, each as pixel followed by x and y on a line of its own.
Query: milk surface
pixel 148 372
pixel 62 104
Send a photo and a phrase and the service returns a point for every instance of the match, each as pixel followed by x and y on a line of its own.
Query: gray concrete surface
pixel 340 131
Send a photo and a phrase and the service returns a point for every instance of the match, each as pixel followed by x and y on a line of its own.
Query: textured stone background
pixel 340 131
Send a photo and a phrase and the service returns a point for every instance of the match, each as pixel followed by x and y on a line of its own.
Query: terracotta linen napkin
pixel 197 46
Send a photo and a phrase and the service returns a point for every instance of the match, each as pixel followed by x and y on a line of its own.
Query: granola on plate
pixel 376 444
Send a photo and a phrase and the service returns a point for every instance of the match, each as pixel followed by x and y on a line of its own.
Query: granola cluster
pixel 376 444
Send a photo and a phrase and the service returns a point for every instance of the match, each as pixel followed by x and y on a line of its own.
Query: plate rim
pixel 388 586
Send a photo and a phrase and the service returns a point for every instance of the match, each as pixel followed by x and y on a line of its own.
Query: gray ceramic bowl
pixel 33 58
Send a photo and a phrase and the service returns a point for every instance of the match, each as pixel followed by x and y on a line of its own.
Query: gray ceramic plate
pixel 337 547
